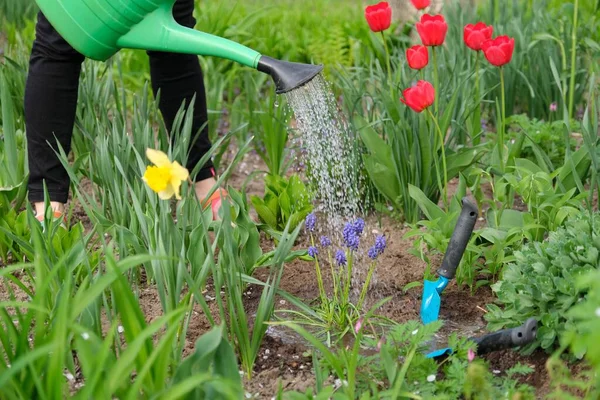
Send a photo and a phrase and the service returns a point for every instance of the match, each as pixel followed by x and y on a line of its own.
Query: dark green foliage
pixel 541 281
pixel 543 136
pixel 285 200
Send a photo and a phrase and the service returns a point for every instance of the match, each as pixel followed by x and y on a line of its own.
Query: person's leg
pixel 179 77
pixel 50 106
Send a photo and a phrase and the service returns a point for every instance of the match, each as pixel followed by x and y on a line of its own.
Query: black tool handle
pixel 507 338
pixel 459 239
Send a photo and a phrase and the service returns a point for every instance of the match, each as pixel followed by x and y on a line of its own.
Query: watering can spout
pixel 288 75
pixel 100 28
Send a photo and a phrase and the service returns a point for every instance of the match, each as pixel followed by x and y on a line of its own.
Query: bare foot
pixel 54 205
pixel 203 187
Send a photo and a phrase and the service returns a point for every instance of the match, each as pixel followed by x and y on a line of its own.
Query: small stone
pixel 120 329
pixel 267 351
pixel 496 371
pixel 282 302
pixel 431 378
pixel 415 331
pixel 69 376
pixel 85 336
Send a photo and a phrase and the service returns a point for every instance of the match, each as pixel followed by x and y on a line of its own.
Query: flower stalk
pixel 444 187
pixel 436 79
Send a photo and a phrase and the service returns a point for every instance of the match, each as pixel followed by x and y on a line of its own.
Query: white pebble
pixel 69 376
pixel 85 335
pixel 415 331
pixel 120 329
pixel 496 371
pixel 431 378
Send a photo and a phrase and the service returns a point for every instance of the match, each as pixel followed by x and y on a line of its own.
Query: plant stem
pixel 502 123
pixel 436 81
pixel 441 137
pixel 319 276
pixel 389 63
pixel 422 74
pixel 477 118
pixel 348 279
pixel 573 59
pixel 363 292
pixel 477 75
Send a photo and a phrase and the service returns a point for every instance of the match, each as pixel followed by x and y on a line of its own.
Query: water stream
pixel 327 144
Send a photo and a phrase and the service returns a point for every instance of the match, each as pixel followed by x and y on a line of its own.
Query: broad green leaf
pixel 431 210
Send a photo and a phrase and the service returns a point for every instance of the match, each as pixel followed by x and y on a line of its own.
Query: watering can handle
pixel 459 239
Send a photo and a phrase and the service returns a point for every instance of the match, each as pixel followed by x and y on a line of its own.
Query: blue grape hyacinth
pixel 325 241
pixel 351 239
pixel 312 251
pixel 378 248
pixel 359 226
pixel 380 244
pixel 311 222
pixel 340 257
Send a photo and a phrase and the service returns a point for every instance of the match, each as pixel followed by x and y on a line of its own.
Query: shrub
pixel 541 281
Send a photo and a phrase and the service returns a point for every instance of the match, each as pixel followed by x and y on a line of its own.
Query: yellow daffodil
pixel 164 177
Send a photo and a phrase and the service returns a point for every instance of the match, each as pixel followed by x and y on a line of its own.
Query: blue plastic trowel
pixel 431 301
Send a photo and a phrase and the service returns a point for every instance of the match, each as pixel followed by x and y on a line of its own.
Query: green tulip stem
pixel 503 122
pixel 441 138
pixel 436 79
pixel 388 61
pixel 477 122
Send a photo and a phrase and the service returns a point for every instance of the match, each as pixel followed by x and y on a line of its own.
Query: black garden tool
pixel 500 340
pixel 431 301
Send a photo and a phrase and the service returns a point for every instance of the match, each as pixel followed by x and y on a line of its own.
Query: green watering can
pixel 98 29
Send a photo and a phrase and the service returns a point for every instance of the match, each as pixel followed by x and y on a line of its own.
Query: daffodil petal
pixel 167 193
pixel 179 172
pixel 157 157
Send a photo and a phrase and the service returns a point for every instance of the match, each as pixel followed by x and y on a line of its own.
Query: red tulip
pixel 379 16
pixel 475 35
pixel 417 57
pixel 420 4
pixel 420 96
pixel 498 51
pixel 432 29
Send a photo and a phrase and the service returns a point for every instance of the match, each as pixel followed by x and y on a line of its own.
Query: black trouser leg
pixel 50 106
pixel 179 77
pixel 51 102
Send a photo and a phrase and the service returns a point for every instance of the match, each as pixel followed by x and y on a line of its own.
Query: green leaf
pixel 264 213
pixel 431 210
